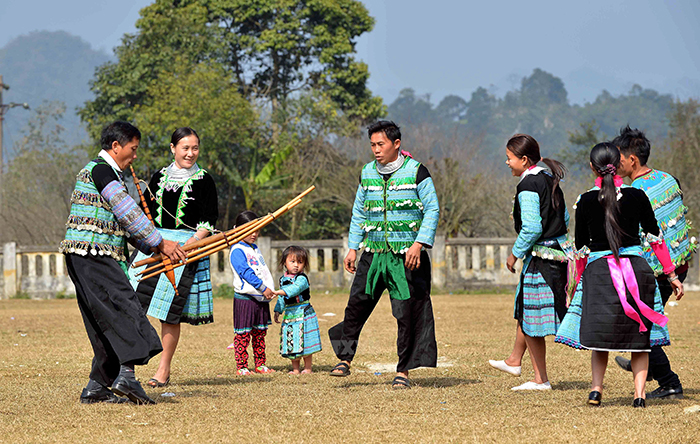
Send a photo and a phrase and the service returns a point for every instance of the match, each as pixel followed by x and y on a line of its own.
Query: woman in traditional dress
pixel 612 307
pixel 541 219
pixel 182 199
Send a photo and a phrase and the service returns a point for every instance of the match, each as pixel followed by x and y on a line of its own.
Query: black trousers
pixel 416 345
pixel 659 366
pixel 117 326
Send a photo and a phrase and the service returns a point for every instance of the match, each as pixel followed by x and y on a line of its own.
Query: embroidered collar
pixel 391 167
pixel 174 178
pixel 177 174
pixel 650 170
pixel 110 160
pixel 534 169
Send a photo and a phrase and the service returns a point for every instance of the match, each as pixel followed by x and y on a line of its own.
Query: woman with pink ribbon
pixel 617 305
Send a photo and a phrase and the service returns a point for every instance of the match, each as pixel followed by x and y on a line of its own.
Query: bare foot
pixel 294 372
pixel 306 371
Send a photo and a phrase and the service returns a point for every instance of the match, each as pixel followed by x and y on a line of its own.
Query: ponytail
pixel 524 145
pixel 558 171
pixel 605 158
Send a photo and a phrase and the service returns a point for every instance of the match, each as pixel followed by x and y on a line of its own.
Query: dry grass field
pixel 45 359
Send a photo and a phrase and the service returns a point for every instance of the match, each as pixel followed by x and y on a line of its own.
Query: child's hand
pixel 277 318
pixel 268 293
pixel 280 293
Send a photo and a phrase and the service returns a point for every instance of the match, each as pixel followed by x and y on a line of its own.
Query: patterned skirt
pixel 249 314
pixel 299 335
pixel 597 306
pixel 540 301
pixel 194 304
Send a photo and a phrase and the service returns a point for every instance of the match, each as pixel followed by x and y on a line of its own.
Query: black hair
pixel 181 133
pixel 605 159
pixel 389 128
pixel 633 141
pixel 122 132
pixel 244 218
pixel 524 145
pixel 299 252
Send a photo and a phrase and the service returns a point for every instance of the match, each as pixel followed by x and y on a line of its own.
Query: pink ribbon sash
pixel 623 278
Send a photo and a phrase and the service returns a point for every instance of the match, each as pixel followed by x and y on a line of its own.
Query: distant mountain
pixel 46 65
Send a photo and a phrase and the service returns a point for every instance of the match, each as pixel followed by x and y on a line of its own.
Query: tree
pixel 291 62
pixel 681 148
pixel 39 180
pixel 577 155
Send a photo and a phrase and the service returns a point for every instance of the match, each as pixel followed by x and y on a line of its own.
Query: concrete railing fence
pixel 457 263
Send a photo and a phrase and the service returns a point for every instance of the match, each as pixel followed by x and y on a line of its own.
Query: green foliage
pixel 577 156
pixel 21 295
pixel 64 295
pixel 539 107
pixel 224 291
pixel 258 80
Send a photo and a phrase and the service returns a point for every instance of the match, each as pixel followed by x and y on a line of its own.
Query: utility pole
pixel 3 110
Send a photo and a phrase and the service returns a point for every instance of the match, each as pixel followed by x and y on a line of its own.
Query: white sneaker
pixel 530 385
pixel 502 366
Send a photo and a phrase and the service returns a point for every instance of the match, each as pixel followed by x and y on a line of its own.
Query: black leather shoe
pixel 594 398
pixel 639 402
pixel 102 395
pixel 626 364
pixel 131 389
pixel 667 393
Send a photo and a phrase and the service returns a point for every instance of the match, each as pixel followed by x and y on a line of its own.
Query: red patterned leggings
pixel 240 343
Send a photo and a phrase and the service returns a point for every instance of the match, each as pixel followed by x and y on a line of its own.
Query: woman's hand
pixel 678 289
pixel 268 293
pixel 510 262
pixel 190 240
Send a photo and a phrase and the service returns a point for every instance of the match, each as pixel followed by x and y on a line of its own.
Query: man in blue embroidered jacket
pixel 394 219
pixel 666 196
pixel 102 219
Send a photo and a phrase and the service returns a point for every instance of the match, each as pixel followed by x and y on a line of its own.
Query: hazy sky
pixel 452 47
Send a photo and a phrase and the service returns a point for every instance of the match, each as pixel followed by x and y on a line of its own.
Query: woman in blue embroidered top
pixel 182 199
pixel 612 307
pixel 299 335
pixel 541 219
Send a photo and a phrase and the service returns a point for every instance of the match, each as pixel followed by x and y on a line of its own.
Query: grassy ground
pixel 45 360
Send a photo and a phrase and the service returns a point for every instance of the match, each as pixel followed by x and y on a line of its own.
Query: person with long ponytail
pixel 617 305
pixel 541 220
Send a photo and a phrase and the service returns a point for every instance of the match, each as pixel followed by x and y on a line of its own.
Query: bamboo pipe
pixel 250 227
pixel 223 246
pixel 220 245
pixel 215 246
pixel 198 244
pixel 167 263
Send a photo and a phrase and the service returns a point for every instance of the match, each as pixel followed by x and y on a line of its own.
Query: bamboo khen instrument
pixel 214 244
pixel 166 262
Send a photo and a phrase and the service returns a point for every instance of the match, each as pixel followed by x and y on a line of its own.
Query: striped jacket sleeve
pixel 130 216
pixel 532 223
pixel 431 211
pixel 357 234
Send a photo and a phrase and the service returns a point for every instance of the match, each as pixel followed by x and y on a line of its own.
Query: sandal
pixel 243 372
pixel 263 369
pixel 153 382
pixel 400 383
pixel 343 368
